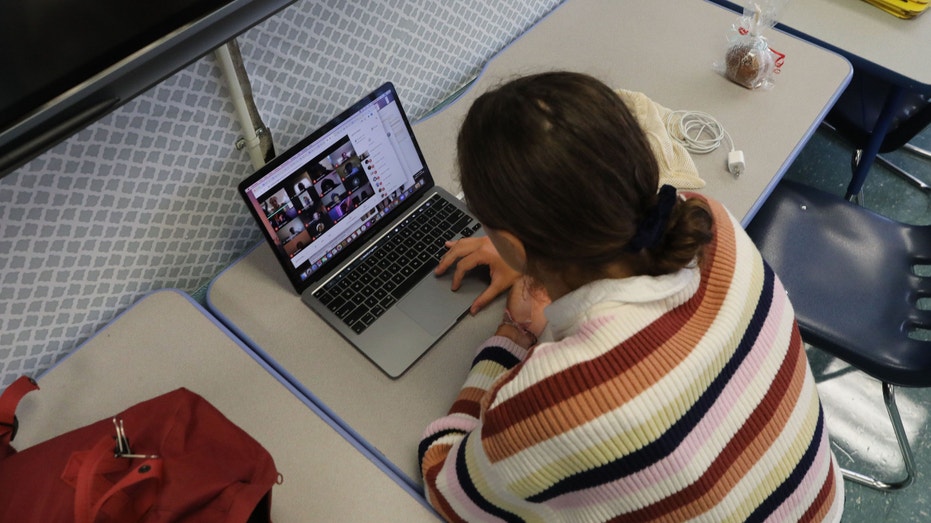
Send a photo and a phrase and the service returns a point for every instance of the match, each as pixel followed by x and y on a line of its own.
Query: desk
pixel 256 300
pixel 166 341
pixel 875 42
pixel 879 43
pixel 667 52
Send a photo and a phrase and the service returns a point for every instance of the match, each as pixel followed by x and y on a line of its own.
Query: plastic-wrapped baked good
pixel 749 62
pixel 748 59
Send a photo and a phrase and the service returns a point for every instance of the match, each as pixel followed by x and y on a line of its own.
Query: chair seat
pixel 849 273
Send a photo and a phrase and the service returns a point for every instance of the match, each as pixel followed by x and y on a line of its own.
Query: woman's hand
pixel 524 320
pixel 469 253
pixel 526 302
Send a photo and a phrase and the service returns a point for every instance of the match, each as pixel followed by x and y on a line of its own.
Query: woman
pixel 676 386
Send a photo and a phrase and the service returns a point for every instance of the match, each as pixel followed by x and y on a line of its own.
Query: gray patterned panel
pixel 145 198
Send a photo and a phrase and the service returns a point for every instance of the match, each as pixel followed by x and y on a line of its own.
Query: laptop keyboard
pixel 364 290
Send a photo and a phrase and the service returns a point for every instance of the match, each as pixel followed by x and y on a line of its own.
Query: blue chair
pixel 878 117
pixel 850 275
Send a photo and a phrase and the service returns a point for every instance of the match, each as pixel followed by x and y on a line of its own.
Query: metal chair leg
pixel 902 173
pixel 901 438
pixel 858 197
pixel 917 151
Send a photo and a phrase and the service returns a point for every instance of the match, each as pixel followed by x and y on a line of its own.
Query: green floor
pixel 861 434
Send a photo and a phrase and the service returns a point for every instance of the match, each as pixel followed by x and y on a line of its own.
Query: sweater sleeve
pixel 442 438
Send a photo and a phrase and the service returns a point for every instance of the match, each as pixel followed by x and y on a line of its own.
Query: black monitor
pixel 66 63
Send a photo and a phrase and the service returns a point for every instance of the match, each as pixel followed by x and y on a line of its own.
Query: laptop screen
pixel 328 193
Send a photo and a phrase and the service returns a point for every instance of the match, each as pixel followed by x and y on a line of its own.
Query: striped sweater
pixel 681 397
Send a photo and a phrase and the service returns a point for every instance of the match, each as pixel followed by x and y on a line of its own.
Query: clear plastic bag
pixel 748 59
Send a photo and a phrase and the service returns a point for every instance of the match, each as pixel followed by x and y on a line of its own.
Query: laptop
pixel 358 225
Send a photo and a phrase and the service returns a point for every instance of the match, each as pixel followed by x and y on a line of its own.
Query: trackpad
pixel 435 307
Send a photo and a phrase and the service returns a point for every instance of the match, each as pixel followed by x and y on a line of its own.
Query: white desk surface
pixel 666 50
pixel 653 47
pixel 865 31
pixel 166 341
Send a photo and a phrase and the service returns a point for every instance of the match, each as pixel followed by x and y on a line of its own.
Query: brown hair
pixel 559 161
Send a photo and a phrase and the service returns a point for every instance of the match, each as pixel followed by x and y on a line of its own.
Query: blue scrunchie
pixel 650 229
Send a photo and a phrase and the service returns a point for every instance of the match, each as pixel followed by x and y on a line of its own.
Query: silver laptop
pixel 354 218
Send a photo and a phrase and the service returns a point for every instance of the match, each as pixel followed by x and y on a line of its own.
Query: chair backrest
pixel 855 113
pixel 850 275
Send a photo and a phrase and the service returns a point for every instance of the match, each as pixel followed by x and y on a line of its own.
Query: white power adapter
pixel 700 133
pixel 735 162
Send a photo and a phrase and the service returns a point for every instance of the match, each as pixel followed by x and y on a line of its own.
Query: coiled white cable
pixel 698 132
pixel 701 133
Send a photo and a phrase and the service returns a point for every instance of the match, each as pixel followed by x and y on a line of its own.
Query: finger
pixel 467 241
pixel 448 259
pixel 486 297
pixel 445 262
pixel 463 266
pixel 456 249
